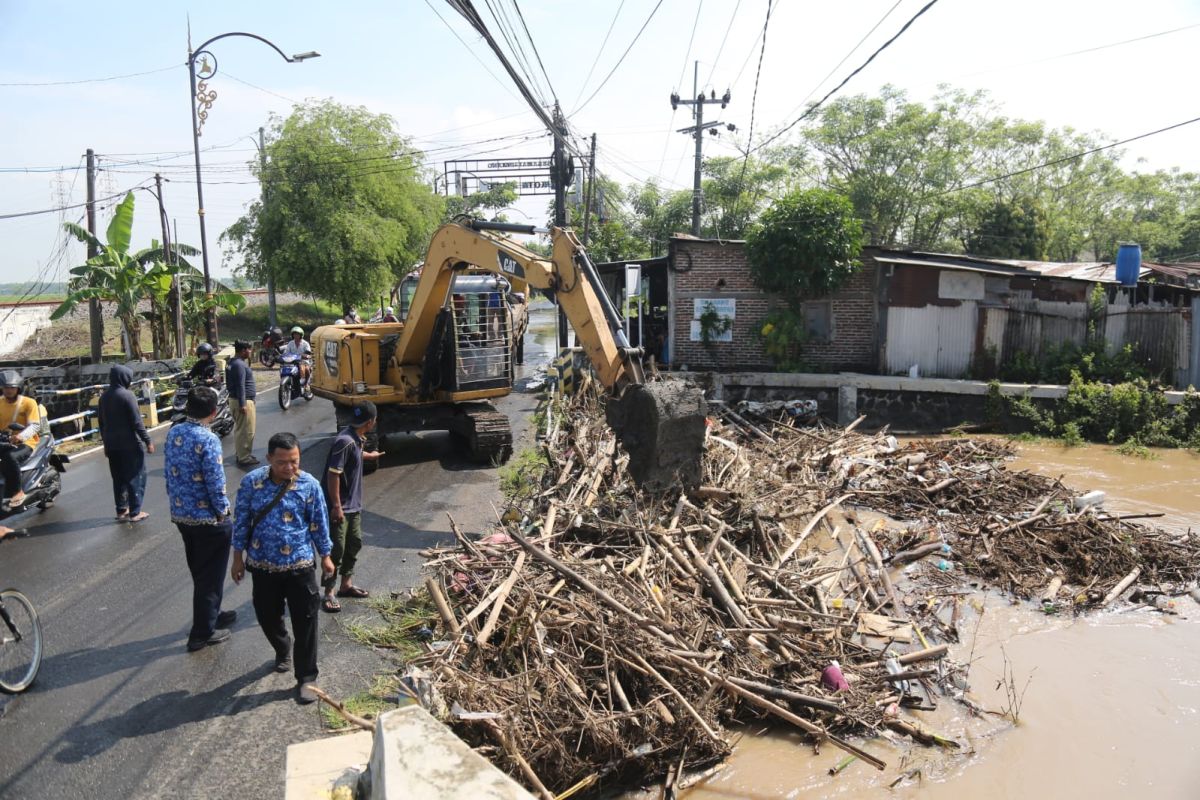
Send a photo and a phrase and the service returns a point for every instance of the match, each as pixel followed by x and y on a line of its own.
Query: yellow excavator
pixel 439 368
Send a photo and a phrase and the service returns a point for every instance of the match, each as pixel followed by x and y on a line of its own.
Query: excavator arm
pixel 662 425
pixel 568 274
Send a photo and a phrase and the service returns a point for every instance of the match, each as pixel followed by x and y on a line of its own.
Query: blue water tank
pixel 1129 264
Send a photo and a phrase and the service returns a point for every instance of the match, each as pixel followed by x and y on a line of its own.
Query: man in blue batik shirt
pixel 199 508
pixel 280 532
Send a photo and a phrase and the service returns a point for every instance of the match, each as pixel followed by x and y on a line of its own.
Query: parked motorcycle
pixel 221 425
pixel 290 383
pixel 41 473
pixel 271 347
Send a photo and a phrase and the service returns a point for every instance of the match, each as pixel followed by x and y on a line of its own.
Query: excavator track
pixel 486 434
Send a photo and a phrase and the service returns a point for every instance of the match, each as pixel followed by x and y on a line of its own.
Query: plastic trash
pixel 1165 604
pixel 944 565
pixel 843 603
pixel 947 549
pixel 1195 593
pixel 833 679
pixel 892 665
pixel 1092 498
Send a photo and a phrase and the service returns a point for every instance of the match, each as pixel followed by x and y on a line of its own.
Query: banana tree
pixel 116 276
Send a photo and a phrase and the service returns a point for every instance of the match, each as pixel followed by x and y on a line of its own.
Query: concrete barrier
pixel 415 757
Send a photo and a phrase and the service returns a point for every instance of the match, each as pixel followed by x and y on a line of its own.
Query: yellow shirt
pixel 22 411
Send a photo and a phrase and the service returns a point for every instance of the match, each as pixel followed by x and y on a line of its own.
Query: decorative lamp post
pixel 203 64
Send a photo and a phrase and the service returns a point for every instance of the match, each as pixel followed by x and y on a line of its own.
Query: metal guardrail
pixel 151 396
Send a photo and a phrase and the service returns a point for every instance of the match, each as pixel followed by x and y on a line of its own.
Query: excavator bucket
pixel 662 427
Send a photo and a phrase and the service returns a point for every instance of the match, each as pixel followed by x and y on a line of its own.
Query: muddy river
pixel 1111 703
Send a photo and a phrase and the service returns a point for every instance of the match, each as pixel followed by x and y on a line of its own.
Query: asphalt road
pixel 120 708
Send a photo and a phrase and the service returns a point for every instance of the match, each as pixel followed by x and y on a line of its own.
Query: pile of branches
pixel 604 636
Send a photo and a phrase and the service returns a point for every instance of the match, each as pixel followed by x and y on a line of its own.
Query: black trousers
pixel 128 471
pixel 299 592
pixel 11 458
pixel 207 550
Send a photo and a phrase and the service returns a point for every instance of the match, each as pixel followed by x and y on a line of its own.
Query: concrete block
pixel 847 404
pixel 418 758
pixel 316 770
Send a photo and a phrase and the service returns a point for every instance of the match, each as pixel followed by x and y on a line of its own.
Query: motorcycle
pixel 271 347
pixel 290 383
pixel 221 425
pixel 41 473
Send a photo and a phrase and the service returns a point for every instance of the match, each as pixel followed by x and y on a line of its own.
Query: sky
pixel 419 62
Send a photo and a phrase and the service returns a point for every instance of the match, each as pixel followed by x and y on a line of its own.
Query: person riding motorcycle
pixel 205 369
pixel 16 445
pixel 299 347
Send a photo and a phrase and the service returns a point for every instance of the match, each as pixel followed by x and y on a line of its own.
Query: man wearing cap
pixel 200 509
pixel 343 496
pixel 239 379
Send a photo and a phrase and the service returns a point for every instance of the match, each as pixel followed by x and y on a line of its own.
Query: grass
pixel 1136 449
pixel 401 620
pixel 252 320
pixel 522 475
pixel 367 704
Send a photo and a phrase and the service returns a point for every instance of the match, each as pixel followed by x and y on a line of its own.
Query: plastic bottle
pixel 892 665
pixel 947 549
pixel 944 565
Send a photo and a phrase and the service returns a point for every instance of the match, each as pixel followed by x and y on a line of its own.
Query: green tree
pixel 347 208
pixel 494 198
pixel 734 192
pixel 125 279
pixel 1015 229
pixel 658 214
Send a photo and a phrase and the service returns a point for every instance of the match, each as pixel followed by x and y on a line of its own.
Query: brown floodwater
pixel 1111 704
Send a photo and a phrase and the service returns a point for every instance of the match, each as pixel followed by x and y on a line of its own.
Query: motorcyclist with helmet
pixel 21 424
pixel 205 370
pixel 299 347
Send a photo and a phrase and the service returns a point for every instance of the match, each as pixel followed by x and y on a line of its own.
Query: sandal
pixel 353 591
pixel 330 606
pixel 141 515
pixel 122 516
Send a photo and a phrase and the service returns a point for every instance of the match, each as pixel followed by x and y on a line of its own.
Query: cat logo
pixel 331 357
pixel 510 265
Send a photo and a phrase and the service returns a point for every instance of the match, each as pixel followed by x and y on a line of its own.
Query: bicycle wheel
pixel 20 641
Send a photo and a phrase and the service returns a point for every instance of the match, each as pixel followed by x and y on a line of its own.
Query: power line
pixel 619 60
pixel 95 80
pixel 518 51
pixel 466 47
pixel 757 75
pixel 227 74
pixel 687 56
pixel 812 109
pixel 67 208
pixel 724 39
pixel 599 52
pixel 1065 159
pixel 846 57
pixel 533 44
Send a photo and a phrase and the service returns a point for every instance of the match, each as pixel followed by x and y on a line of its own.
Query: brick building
pixel 713 274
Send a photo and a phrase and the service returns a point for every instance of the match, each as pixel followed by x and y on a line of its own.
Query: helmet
pixel 297 329
pixel 339 321
pixel 10 377
pixel 204 349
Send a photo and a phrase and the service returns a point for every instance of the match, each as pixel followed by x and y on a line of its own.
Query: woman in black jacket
pixel 124 434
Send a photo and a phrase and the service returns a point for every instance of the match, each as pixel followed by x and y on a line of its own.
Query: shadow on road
pixel 164 712
pixel 80 666
pixel 380 531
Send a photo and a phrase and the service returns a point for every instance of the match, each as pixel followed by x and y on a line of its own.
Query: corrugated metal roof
pixel 1094 271
pixel 949 262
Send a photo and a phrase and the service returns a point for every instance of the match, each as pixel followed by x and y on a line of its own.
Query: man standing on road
pixel 124 434
pixel 280 531
pixel 343 494
pixel 239 379
pixel 200 509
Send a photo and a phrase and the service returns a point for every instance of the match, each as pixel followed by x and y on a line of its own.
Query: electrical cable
pixel 67 208
pixel 538 55
pixel 599 52
pixel 813 108
pixel 724 39
pixel 619 60
pixel 95 80
pixel 466 47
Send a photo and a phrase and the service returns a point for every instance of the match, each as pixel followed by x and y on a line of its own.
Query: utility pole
pixel 177 285
pixel 591 190
pixel 262 161
pixel 95 317
pixel 561 173
pixel 697 132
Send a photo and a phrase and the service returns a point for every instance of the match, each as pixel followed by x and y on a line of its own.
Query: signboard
pixel 633 280
pixel 529 176
pixel 726 309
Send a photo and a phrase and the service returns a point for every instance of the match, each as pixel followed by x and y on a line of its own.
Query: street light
pixel 202 101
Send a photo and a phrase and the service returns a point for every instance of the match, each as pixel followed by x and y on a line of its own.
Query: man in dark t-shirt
pixel 343 495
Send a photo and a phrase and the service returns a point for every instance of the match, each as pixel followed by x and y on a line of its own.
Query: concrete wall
pixel 18 323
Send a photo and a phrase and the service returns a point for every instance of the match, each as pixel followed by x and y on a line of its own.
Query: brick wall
pixel 718 270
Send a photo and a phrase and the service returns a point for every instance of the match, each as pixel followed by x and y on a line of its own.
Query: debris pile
pixel 606 636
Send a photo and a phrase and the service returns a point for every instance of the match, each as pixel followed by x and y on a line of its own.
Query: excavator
pixel 441 367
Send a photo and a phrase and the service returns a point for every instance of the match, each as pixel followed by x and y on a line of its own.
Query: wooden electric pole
pixel 591 190
pixel 95 316
pixel 561 170
pixel 697 131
